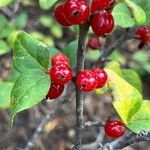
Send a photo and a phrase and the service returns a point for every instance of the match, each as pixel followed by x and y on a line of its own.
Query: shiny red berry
pixel 86 81
pixel 143 33
pixel 59 15
pixel 101 77
pixel 55 91
pixel 102 23
pixel 61 74
pixel 114 128
pixel 94 43
pixel 142 30
pixel 101 4
pixel 60 58
pixel 145 38
pixel 76 11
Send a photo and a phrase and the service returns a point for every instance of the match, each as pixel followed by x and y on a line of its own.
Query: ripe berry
pixel 59 59
pixel 101 4
pixel 59 15
pixel 145 38
pixel 101 77
pixel 76 11
pixel 142 30
pixel 86 81
pixel 102 23
pixel 61 74
pixel 55 91
pixel 114 128
pixel 143 33
pixel 94 43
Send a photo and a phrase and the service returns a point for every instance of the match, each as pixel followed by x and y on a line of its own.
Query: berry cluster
pixel 60 74
pixel 114 128
pixel 76 12
pixel 143 33
pixel 88 80
pixel 94 42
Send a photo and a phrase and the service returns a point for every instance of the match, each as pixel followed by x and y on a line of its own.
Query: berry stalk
pixel 79 95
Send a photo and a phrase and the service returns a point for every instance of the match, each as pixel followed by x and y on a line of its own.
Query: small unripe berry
pixel 55 91
pixel 76 11
pixel 114 128
pixel 101 77
pixel 101 4
pixel 94 43
pixel 102 23
pixel 60 58
pixel 61 74
pixel 59 15
pixel 86 81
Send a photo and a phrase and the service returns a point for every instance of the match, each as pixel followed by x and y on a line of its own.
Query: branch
pixel 50 116
pixel 79 95
pixel 113 45
pixel 98 142
pixel 94 123
pixel 128 139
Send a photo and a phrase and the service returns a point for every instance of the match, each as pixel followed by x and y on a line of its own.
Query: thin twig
pixel 98 142
pixel 50 116
pixel 93 124
pixel 107 51
pixel 126 140
pixel 79 95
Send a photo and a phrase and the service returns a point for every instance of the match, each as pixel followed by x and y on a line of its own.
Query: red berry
pixel 102 23
pixel 101 77
pixel 101 4
pixel 61 74
pixel 114 128
pixel 143 33
pixel 55 91
pixel 145 38
pixel 86 81
pixel 60 58
pixel 59 15
pixel 94 43
pixel 142 30
pixel 76 11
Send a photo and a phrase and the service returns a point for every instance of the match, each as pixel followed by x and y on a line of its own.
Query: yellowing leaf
pixel 141 120
pixel 127 100
pixel 138 12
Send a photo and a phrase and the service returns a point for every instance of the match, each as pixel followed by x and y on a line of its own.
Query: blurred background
pixel 59 132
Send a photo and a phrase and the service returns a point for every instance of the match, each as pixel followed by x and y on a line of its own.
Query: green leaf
pixel 145 5
pixel 133 78
pixel 71 52
pixel 5 90
pixel 141 120
pixel 5 27
pixel 138 12
pixel 21 20
pixel 3 47
pixel 4 3
pixel 29 53
pixel 29 89
pixel 46 4
pixel 127 100
pixel 56 30
pixel 117 56
pixel 122 16
pixel 93 54
pixel 128 74
pixel 115 67
pixel 46 21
